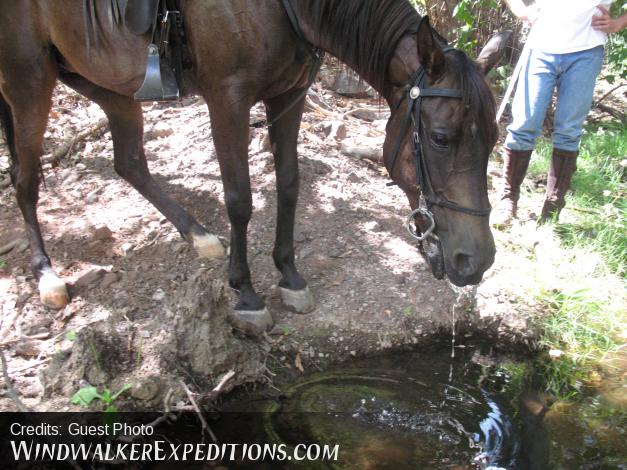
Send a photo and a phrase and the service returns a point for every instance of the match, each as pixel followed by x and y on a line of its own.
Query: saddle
pixel 165 63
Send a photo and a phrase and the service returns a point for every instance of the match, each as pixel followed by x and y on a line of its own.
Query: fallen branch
pixel 611 111
pixel 66 148
pixel 11 245
pixel 598 102
pixel 30 366
pixel 9 386
pixel 15 340
pixel 217 391
pixel 205 426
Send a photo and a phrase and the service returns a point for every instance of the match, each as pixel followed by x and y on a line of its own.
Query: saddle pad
pixel 139 15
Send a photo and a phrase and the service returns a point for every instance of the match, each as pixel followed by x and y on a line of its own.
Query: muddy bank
pixel 135 283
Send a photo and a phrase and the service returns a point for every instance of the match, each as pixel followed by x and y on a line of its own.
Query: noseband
pixel 416 91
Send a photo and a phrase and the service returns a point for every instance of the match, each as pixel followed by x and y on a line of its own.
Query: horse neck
pixel 361 33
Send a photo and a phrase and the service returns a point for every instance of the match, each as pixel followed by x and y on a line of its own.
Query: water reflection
pixel 429 411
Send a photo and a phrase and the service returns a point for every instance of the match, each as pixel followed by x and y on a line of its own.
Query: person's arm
pixel 522 11
pixel 604 22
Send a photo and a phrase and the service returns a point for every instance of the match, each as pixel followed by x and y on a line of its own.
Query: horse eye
pixel 439 141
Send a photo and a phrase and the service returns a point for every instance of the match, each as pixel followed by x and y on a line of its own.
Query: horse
pixel 438 138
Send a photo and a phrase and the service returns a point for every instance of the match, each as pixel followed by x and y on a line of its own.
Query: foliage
pixel 467 12
pixel 88 394
pixel 3 263
pixel 616 49
pixel 579 330
pixel 585 318
pixel 598 205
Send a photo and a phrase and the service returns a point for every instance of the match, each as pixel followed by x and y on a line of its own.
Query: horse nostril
pixel 464 264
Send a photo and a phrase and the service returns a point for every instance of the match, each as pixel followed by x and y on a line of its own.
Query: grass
pixel 594 217
pixel 580 283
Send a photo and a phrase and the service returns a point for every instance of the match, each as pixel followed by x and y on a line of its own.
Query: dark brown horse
pixel 243 52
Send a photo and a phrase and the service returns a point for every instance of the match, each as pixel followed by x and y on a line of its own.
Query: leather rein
pixel 417 89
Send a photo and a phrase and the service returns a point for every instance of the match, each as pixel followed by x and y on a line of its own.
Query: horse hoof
pixel 53 292
pixel 259 318
pixel 208 246
pixel 300 301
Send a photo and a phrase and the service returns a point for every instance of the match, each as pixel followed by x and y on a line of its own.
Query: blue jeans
pixel 574 75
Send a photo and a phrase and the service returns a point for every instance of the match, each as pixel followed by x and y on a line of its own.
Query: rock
pixel 102 232
pixel 347 83
pixel 92 196
pixel 334 130
pixel 159 295
pixel 109 279
pixel 71 179
pixel 365 114
pixel 146 388
pixel 17 243
pixel 89 278
pixel 362 153
pixel 161 129
pixel 127 248
pixel 29 347
pixel 381 124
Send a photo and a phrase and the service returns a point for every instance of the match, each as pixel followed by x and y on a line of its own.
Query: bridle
pixel 417 89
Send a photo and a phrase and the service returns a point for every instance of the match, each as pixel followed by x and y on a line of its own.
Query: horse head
pixel 439 137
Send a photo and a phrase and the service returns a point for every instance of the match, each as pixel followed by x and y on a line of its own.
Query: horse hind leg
pixel 6 122
pixel 126 123
pixel 24 108
pixel 295 293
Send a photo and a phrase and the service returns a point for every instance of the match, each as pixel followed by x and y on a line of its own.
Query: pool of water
pixel 434 411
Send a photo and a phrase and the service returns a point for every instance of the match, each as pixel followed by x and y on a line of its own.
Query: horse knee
pixel 239 206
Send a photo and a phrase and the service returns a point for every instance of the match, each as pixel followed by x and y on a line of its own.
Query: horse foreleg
pixel 26 104
pixel 284 137
pixel 230 136
pixel 126 123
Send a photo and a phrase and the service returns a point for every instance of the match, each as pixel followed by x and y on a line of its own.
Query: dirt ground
pixel 128 269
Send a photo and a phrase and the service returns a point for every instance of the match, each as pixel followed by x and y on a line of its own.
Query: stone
pixel 146 388
pixel 109 279
pixel 347 83
pixel 28 347
pixel 362 153
pixel 334 130
pixel 161 129
pixel 90 278
pixel 127 248
pixel 102 232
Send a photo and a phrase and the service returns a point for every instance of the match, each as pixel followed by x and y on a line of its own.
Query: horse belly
pixel 245 47
pixel 116 60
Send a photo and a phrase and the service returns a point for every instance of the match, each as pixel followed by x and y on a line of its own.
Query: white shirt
pixel 564 26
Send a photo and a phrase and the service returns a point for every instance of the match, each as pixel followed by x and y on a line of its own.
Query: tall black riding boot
pixel 563 165
pixel 515 164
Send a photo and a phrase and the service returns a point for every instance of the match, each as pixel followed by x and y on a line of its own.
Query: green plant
pixel 579 286
pixel 578 330
pixel 88 394
pixel 616 49
pixel 597 207
pixel 468 13
pixel 3 263
pixel 70 335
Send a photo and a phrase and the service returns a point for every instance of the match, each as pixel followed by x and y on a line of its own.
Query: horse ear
pixel 493 51
pixel 429 51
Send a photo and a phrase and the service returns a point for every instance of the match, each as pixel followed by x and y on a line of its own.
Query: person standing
pixel 566 46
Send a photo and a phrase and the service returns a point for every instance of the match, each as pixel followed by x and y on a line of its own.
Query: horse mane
pixel 365 32
pixel 477 98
